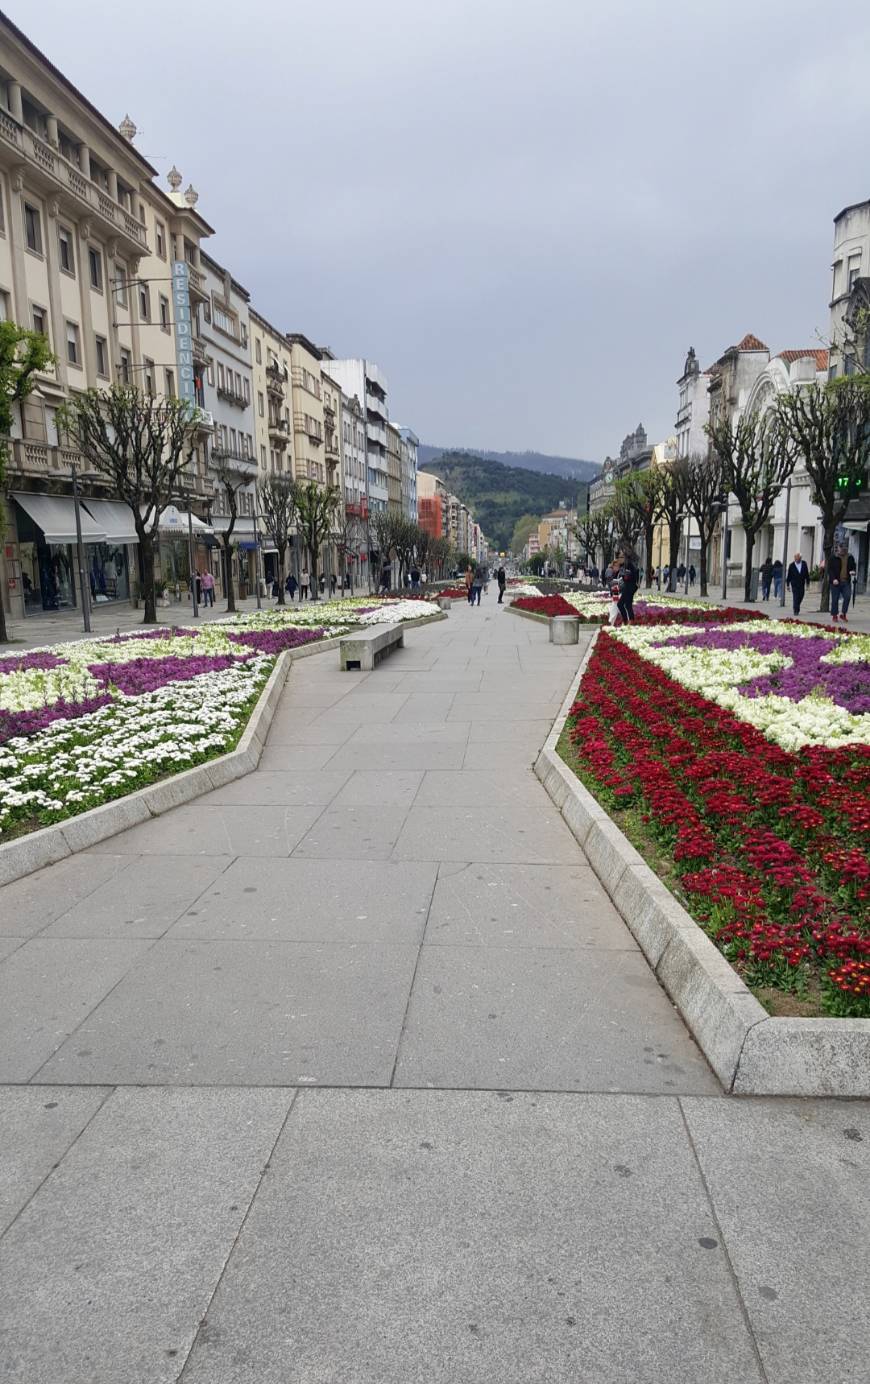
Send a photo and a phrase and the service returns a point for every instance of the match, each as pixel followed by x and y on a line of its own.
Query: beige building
pixel 307 407
pixel 332 406
pixel 87 242
pixel 273 419
pixel 394 469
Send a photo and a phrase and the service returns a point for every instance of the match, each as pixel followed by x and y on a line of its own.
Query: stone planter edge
pixel 751 1052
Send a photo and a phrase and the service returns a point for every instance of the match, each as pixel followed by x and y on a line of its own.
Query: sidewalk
pixel 858 618
pixel 350 1072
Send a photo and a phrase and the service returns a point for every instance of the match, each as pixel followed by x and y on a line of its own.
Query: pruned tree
pixel 405 534
pixel 640 490
pixel 142 444
pixel 276 498
pixel 595 532
pixel 703 486
pixel 422 548
pixel 440 550
pixel 758 455
pixel 627 523
pixel 231 481
pixel 22 355
pixel 670 504
pixel 315 510
pixel 829 426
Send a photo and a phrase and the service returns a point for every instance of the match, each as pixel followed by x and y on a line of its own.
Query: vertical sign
pixel 183 330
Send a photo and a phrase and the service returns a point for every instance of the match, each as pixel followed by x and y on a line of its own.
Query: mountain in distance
pixel 499 495
pixel 574 468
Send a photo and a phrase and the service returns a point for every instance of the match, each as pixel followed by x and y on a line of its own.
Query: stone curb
pixel 750 1052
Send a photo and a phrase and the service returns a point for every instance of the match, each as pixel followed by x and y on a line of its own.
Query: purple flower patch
pixel 13 723
pixel 275 641
pixel 23 663
pixel 142 675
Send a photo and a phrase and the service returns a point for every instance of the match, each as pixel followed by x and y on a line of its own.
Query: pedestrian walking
pixel 415 578
pixel 796 579
pixel 291 586
pixel 304 584
pixel 840 569
pixel 386 577
pixel 207 582
pixel 777 579
pixel 469 584
pixel 333 583
pixel 765 572
pixel 692 574
pixel 477 585
pixel 628 578
pixel 501 578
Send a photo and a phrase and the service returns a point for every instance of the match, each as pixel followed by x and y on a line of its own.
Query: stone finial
pixel 174 179
pixel 127 129
pixel 191 196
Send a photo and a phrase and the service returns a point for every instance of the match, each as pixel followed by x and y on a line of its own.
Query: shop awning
pixel 173 522
pixel 115 518
pixel 56 516
pixel 242 528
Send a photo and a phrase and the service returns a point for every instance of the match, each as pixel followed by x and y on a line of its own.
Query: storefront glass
pixel 108 572
pixel 47 574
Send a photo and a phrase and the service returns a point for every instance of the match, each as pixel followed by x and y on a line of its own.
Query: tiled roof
pixel 821 356
pixel 751 343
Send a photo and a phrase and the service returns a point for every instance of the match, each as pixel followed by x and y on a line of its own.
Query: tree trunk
pixel 315 589
pixel 648 534
pixel 702 560
pixel 828 527
pixel 747 571
pixel 229 590
pixel 146 559
pixel 673 553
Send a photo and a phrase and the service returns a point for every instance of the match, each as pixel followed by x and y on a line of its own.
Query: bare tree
pixel 595 532
pixel 22 354
pixel 276 496
pixel 231 481
pixel 628 524
pixel 757 455
pixel 641 493
pixel 703 485
pixel 315 508
pixel 829 426
pixel 670 503
pixel 142 445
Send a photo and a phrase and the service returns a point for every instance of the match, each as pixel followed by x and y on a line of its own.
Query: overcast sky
pixel 525 213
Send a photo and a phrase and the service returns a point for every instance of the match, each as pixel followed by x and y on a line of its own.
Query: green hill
pixel 499 495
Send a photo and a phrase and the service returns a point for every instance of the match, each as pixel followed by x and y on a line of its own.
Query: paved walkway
pixel 350 1073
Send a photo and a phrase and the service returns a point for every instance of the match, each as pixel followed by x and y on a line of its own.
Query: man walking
pixel 304 583
pixel 796 579
pixel 477 585
pixel 840 580
pixel 766 574
pixel 501 578
pixel 207 582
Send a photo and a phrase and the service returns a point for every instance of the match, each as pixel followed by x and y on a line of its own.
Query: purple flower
pixel 13 723
pixel 22 663
pixel 275 641
pixel 142 675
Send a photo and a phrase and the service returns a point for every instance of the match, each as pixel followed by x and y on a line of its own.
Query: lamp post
pixel 187 499
pixel 80 553
pixel 725 550
pixel 257 560
pixel 688 549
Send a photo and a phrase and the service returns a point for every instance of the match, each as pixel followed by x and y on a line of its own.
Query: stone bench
pixel 364 649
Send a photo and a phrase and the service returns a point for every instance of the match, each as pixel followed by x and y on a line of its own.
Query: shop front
pixel 183 539
pixel 47 559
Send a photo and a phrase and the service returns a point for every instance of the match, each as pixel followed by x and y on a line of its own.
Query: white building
pixel 365 380
pixel 409 472
pixel 694 409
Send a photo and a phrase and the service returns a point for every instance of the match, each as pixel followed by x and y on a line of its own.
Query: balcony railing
pixel 303 423
pixel 279 432
pixel 42 458
pixel 228 393
pixel 204 421
pixel 234 459
pixel 276 378
pixel 57 173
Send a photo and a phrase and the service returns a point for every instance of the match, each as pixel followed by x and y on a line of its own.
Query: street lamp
pixel 257 560
pixel 80 553
pixel 186 498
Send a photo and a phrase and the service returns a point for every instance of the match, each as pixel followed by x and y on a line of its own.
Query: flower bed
pixel 765 833
pixel 85 722
pixel 594 608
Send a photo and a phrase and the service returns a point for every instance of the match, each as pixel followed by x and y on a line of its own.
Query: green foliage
pixel 499 496
pixel 525 526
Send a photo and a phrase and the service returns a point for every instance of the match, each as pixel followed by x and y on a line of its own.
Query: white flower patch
pixel 33 688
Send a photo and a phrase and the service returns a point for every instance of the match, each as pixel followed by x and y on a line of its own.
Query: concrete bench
pixel 364 649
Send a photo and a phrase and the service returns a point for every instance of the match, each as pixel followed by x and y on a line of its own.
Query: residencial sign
pixel 183 330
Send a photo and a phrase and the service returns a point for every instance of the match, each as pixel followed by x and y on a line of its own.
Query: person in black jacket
pixel 796 579
pixel 628 585
pixel 841 565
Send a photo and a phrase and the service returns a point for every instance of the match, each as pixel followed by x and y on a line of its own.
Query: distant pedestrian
pixel 681 572
pixel 777 579
pixel 415 578
pixel 469 585
pixel 627 587
pixel 291 586
pixel 692 574
pixel 304 584
pixel 477 585
pixel 207 582
pixel 386 576
pixel 322 583
pixel 766 574
pixel 796 579
pixel 840 569
pixel 333 583
pixel 501 578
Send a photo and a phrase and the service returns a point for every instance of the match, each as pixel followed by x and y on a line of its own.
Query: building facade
pixel 693 411
pixel 307 403
pixel 365 380
pixel 394 470
pixel 410 442
pixel 272 404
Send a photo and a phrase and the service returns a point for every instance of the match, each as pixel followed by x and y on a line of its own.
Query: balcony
pixel 42 459
pixel 197 283
pixel 49 171
pixel 200 350
pixel 376 433
pixel 376 405
pixel 279 432
pixel 358 511
pixel 312 429
pixel 684 416
pixel 276 378
pixel 235 461
pixel 204 421
pixel 229 394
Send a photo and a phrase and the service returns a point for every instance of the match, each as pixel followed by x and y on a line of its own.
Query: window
pixel 220 376
pixel 246 389
pixel 148 375
pixel 65 250
pixel 160 238
pixel 164 313
pixel 238 385
pixel 838 264
pixel 2 219
pixel 244 331
pixel 120 284
pixel 73 346
pixel 102 357
pixel 223 320
pixel 232 439
pixel 32 229
pixel 263 457
pixel 260 403
pixel 40 320
pixel 258 350
pixel 124 367
pixel 854 271
pixel 144 303
pixel 4 305
pixel 95 267
pixel 170 384
pixel 210 374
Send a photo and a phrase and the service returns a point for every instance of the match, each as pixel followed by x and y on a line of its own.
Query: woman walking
pixel 628 578
pixel 469 584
